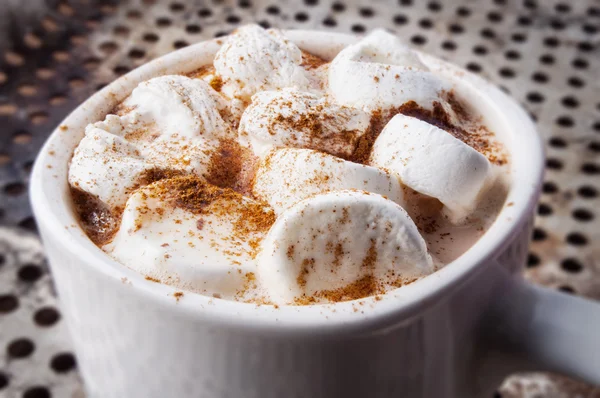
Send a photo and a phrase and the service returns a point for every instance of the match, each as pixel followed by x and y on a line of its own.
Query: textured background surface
pixel 543 52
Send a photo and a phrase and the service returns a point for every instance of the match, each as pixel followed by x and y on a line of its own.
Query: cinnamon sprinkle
pixel 154 174
pixel 122 109
pixel 338 254
pixel 225 164
pixel 437 116
pixel 216 83
pixel 370 259
pixel 306 264
pixel 290 252
pixel 304 300
pixel 310 61
pixel 197 196
pixel 365 143
pixel 363 287
pixel 313 124
pixel 201 72
pixel 458 107
pixel 249 284
pixel 315 127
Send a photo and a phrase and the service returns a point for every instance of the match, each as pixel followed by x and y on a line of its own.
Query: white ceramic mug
pixel 455 333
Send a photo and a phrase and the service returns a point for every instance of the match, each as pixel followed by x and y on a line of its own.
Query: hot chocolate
pixel 277 177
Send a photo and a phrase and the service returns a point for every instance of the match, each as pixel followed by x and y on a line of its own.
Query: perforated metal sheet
pixel 545 53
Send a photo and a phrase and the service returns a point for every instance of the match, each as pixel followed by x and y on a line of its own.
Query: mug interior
pixel 51 200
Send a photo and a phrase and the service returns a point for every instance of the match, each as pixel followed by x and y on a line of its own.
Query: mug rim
pixel 55 216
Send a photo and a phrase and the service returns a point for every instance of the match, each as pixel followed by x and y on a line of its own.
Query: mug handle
pixel 545 330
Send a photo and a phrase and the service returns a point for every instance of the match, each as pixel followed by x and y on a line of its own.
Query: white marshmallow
pixel 292 118
pixel 253 59
pixel 174 123
pixel 178 153
pixel 182 106
pixel 202 252
pixel 331 241
pixel 379 73
pixel 121 126
pixel 287 176
pixel 433 162
pixel 106 165
pixel 318 78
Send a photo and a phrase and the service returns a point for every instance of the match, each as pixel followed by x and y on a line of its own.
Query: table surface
pixel 545 53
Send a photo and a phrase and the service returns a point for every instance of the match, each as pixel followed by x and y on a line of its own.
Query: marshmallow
pixel 122 126
pixel 380 73
pixel 253 59
pixel 318 78
pixel 106 165
pixel 186 232
pixel 235 105
pixel 433 162
pixel 287 176
pixel 189 155
pixel 341 245
pixel 292 118
pixel 186 122
pixel 172 122
pixel 179 105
